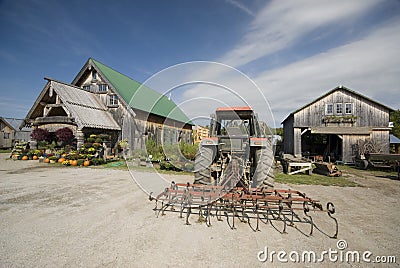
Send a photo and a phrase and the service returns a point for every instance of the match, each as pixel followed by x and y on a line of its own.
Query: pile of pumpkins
pixel 67 162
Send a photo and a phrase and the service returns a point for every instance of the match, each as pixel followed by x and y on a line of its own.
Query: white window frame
pixel 351 108
pixel 103 87
pixel 113 100
pixel 86 87
pixel 327 109
pixel 6 136
pixel 337 105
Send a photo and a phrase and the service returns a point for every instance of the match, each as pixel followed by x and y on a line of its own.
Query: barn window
pixel 349 108
pixel 113 100
pixel 94 75
pixel 103 87
pixel 6 135
pixel 339 108
pixel 329 109
pixel 86 87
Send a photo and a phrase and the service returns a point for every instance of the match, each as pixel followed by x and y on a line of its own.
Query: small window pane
pixel 329 108
pixel 103 87
pixel 87 87
pixel 339 109
pixel 6 135
pixel 113 100
pixel 349 108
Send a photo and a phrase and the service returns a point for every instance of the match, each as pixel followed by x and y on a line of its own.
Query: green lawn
pixel 314 179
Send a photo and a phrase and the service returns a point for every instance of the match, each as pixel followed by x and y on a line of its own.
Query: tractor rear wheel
pixel 263 175
pixel 202 170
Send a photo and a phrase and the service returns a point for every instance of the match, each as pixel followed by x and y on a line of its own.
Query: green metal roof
pixel 141 97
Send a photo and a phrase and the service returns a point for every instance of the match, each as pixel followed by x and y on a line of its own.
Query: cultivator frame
pixel 246 204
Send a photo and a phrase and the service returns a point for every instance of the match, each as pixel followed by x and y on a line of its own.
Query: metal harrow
pixel 246 204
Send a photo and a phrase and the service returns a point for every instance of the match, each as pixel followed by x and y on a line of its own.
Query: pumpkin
pixel 46 160
pixel 74 162
pixel 86 163
pixel 25 157
pixel 62 159
pixel 35 157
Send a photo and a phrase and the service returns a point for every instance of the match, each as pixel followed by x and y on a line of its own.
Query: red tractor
pixel 237 153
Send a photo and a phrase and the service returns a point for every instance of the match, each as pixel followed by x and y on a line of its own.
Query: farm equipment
pixel 234 179
pixel 237 151
pixel 249 205
pixel 369 155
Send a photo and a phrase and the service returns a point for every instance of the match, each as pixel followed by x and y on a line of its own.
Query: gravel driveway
pixel 75 216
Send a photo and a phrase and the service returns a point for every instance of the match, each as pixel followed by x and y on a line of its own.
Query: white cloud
pixel 281 23
pixel 241 7
pixel 370 66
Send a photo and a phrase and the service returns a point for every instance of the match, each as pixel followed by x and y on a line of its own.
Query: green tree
pixel 395 118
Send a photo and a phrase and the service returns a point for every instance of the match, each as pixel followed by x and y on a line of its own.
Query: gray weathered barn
pixel 102 100
pixel 11 132
pixel 331 125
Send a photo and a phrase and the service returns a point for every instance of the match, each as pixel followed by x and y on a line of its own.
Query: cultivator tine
pixel 331 210
pixel 262 205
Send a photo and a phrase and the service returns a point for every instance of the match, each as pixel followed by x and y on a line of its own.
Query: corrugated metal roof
pixel 341 130
pixel 141 97
pixel 393 139
pixel 85 107
pixel 15 123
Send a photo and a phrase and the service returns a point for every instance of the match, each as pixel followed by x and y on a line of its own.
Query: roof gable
pixel 139 96
pixel 15 124
pixel 85 107
pixel 345 89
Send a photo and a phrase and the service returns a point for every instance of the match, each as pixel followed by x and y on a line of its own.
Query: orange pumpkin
pixel 62 159
pixel 86 163
pixel 25 157
pixel 74 162
pixel 46 160
pixel 35 157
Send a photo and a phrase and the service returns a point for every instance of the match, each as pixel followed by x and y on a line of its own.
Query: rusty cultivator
pixel 249 205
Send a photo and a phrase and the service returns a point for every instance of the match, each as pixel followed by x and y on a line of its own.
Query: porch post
pixel 80 138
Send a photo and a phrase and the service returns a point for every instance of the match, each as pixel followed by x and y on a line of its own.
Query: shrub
pixel 40 134
pixel 64 134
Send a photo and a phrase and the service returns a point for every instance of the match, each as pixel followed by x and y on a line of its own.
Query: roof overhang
pixel 342 130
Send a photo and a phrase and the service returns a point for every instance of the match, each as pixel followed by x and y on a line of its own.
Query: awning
pixel 393 139
pixel 341 130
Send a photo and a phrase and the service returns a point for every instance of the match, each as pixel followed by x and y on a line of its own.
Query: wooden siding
pixel 383 137
pixel 6 143
pixel 368 113
pixel 348 142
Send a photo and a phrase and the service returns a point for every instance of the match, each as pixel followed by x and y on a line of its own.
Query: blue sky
pixel 294 50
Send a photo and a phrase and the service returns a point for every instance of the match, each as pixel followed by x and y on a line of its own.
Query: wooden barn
pixel 102 100
pixel 11 132
pixel 330 126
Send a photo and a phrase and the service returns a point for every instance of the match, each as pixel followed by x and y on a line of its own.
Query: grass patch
pixel 115 165
pixel 314 179
pixel 5 151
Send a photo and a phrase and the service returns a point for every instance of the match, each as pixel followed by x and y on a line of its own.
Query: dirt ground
pixel 90 217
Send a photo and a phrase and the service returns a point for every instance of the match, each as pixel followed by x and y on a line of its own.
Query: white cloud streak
pixel 281 23
pixel 369 65
pixel 241 7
